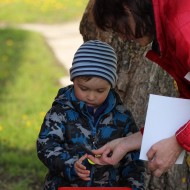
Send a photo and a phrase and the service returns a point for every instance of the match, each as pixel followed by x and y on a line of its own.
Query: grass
pixel 41 11
pixel 29 76
pixel 29 84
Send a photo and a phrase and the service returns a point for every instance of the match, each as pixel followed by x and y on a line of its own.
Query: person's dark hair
pixel 88 78
pixel 112 14
pixel 85 78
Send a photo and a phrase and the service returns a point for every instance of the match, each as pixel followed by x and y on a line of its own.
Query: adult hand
pixel 162 155
pixel 81 170
pixel 112 152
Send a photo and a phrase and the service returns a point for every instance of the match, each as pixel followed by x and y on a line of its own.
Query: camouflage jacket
pixel 68 124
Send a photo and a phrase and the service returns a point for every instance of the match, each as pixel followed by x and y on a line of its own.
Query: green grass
pixel 29 82
pixel 29 76
pixel 41 11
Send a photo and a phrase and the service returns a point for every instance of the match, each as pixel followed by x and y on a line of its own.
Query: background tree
pixel 137 78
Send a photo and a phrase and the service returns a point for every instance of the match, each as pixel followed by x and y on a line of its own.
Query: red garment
pixel 172 18
pixel 94 188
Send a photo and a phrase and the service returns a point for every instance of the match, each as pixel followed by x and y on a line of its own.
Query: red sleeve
pixel 142 130
pixel 183 136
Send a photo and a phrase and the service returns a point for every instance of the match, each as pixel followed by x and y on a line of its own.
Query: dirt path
pixel 63 39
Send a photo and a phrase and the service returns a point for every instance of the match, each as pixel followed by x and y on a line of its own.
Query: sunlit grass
pixel 41 11
pixel 29 77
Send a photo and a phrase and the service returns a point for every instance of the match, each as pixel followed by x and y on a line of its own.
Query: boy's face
pixel 93 92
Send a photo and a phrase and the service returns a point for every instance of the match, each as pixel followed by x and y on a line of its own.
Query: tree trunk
pixel 137 78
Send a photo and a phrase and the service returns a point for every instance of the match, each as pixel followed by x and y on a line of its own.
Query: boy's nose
pixel 91 96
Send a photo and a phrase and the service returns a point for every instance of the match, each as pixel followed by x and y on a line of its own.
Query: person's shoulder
pixel 63 90
pixel 63 96
pixel 119 102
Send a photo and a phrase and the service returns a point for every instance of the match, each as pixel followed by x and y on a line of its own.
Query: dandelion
pixel 42 114
pixel 37 129
pixel 24 117
pixel 28 123
pixel 9 43
pixel 1 128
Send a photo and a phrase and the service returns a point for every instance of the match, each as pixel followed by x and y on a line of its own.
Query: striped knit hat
pixel 95 58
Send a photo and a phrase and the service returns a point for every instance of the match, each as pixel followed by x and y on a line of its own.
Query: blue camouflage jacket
pixel 69 124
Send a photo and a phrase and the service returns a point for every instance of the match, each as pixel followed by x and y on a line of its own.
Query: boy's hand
pixel 81 169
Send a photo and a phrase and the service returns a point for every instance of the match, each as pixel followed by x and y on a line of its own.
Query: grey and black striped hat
pixel 95 58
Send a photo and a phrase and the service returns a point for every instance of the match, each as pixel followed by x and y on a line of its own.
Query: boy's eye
pixel 100 91
pixel 83 89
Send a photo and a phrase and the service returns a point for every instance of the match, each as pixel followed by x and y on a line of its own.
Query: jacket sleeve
pixel 183 136
pixel 132 170
pixel 50 146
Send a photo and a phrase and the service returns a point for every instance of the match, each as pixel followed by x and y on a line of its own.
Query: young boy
pixel 88 114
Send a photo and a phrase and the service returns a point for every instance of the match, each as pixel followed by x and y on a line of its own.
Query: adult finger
pixel 151 153
pixel 101 150
pixel 152 165
pixel 157 172
pixel 101 159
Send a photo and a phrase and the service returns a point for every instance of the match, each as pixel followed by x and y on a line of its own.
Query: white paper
pixel 165 115
pixel 187 76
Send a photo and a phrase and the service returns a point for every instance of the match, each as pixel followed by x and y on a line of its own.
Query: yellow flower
pixel 24 117
pixel 9 43
pixel 1 128
pixel 42 114
pixel 28 123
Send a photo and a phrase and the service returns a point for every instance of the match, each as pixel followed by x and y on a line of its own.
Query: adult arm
pixel 175 59
pixel 118 148
pixel 183 136
pixel 162 155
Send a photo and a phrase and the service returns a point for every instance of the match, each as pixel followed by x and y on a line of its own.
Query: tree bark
pixel 137 78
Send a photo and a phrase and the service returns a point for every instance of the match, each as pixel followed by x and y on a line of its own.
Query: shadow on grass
pixel 20 169
pixel 13 42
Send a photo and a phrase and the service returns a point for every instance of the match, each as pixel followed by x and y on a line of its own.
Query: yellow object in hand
pixel 90 161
